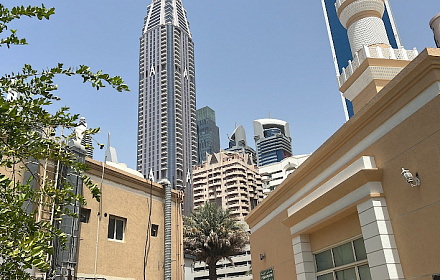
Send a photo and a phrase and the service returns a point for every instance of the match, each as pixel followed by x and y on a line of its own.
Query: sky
pixel 253 59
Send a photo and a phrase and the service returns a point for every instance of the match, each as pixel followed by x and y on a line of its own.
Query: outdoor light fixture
pixel 262 256
pixel 410 179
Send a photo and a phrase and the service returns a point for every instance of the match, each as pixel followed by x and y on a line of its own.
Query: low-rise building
pixel 275 173
pixel 240 269
pixel 121 231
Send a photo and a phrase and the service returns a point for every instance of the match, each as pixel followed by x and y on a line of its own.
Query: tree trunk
pixel 212 271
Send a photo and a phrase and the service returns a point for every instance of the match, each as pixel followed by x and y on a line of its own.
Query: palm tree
pixel 211 234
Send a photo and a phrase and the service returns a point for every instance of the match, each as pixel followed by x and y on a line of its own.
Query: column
pixel 304 262
pixel 380 244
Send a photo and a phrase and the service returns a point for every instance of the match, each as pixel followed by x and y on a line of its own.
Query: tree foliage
pixel 30 135
pixel 211 234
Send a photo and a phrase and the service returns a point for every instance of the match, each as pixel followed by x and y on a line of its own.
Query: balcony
pixel 374 52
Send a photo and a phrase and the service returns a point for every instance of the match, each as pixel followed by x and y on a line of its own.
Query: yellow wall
pixel 278 254
pixel 125 259
pixel 343 229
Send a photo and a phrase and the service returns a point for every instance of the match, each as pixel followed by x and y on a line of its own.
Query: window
pixel 116 228
pixel 84 215
pixel 154 229
pixel 344 262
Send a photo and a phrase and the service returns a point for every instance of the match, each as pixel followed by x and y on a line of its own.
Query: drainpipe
pixel 167 228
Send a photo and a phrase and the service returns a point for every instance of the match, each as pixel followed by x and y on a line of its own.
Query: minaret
pixel 435 26
pixel 375 62
pixel 167 139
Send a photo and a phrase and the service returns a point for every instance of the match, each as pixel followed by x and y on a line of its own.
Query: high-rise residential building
pixel 231 180
pixel 272 141
pixel 339 41
pixel 167 139
pixel 238 143
pixel 208 138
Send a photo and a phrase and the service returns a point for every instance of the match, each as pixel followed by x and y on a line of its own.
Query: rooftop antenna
pixel 108 139
pixel 108 146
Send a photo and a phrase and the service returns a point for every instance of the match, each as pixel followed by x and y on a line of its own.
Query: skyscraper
pixel 339 42
pixel 272 141
pixel 238 143
pixel 208 138
pixel 167 140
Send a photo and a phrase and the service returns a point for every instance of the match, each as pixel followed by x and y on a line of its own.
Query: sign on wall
pixel 267 274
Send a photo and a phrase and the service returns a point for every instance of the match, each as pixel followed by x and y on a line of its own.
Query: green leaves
pixel 32 144
pixel 8 15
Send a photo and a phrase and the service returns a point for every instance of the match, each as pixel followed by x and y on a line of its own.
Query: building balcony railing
pixel 374 52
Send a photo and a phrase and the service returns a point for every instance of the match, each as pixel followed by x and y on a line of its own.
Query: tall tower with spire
pixel 167 139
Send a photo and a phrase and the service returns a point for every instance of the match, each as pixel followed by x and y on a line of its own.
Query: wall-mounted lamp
pixel 262 256
pixel 410 179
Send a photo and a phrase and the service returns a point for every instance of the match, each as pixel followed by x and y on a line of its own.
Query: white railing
pixel 374 52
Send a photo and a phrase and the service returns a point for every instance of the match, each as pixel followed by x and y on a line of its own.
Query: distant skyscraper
pixel 207 133
pixel 339 42
pixel 272 141
pixel 238 143
pixel 167 140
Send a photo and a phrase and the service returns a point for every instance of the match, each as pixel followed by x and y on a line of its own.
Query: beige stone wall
pixel 124 259
pixel 273 240
pixel 414 212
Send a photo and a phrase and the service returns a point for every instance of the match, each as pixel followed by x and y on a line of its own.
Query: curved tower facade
pixel 167 139
pixel 272 141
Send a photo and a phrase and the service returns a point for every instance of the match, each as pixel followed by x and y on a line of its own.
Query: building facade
pixel 127 227
pixel 272 141
pixel 339 42
pixel 241 270
pixel 231 180
pixel 363 205
pixel 275 173
pixel 208 137
pixel 167 137
pixel 238 143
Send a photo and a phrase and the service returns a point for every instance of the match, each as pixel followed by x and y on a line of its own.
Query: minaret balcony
pixel 374 52
pixel 371 69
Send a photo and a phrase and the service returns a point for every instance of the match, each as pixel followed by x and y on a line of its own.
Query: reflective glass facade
pixel 208 137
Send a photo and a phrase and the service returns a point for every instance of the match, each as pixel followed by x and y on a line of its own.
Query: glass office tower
pixel 208 137
pixel 272 141
pixel 341 47
pixel 167 140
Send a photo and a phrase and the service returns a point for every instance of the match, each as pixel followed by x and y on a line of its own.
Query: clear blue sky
pixel 252 57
